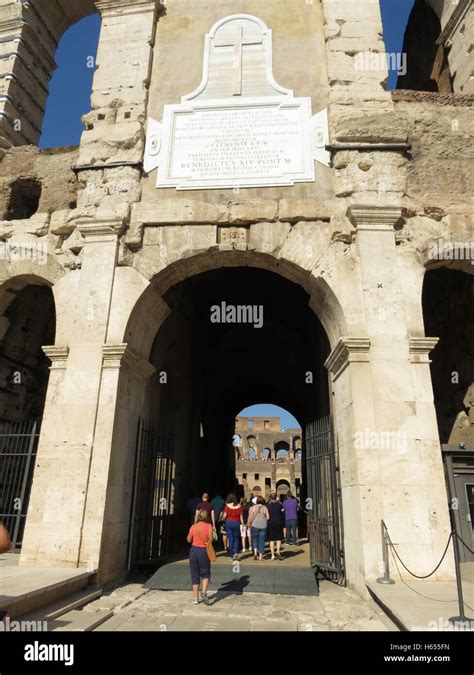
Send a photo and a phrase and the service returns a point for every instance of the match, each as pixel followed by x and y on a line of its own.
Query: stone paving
pixel 138 609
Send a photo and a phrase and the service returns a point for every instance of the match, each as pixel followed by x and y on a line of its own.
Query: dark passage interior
pixel 448 310
pixel 207 370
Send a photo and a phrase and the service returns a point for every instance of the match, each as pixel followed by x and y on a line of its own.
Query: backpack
pixel 260 522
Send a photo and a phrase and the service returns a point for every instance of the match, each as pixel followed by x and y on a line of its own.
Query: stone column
pixel 390 457
pixel 108 498
pixel 23 88
pixel 114 127
pixel 56 515
pixel 352 28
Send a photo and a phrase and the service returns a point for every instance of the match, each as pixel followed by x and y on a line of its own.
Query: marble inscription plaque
pixel 238 145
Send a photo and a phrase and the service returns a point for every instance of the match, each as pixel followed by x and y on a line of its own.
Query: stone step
pixel 80 620
pixel 113 623
pixel 64 605
pixel 27 590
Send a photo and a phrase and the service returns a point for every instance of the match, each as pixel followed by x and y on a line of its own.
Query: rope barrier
pixel 427 597
pixel 418 576
pixel 455 538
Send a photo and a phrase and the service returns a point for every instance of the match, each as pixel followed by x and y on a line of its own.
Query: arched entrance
pixel 283 487
pixel 231 336
pixel 27 323
pixel 449 315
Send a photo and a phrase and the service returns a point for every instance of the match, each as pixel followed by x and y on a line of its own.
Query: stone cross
pixel 238 44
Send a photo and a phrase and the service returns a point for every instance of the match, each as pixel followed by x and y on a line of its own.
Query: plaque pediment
pixel 239 127
pixel 238 61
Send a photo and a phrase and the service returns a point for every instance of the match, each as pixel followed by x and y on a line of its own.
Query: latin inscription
pixel 235 145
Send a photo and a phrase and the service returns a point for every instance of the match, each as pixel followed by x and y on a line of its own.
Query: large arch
pixel 449 315
pixel 32 31
pixel 178 299
pixel 448 312
pixel 184 395
pixel 70 87
pixel 149 308
pixel 27 323
pixel 427 61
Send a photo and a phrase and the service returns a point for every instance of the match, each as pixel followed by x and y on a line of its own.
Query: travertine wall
pixel 358 240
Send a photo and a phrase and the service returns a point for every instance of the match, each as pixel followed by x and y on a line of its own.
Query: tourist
pixel 258 517
pixel 199 562
pixel 218 504
pixel 247 507
pixel 290 507
pixel 233 514
pixel 275 525
pixel 205 505
pixel 244 530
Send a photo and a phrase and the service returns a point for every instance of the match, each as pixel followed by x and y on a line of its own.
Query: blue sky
pixel 72 82
pixel 395 15
pixel 287 420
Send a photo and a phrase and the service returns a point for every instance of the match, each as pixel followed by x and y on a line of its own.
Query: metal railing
pixel 18 446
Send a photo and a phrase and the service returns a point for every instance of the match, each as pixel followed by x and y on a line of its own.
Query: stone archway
pixel 27 323
pixel 221 360
pixel 177 303
pixel 138 313
pixel 449 315
pixel 23 24
pixel 282 487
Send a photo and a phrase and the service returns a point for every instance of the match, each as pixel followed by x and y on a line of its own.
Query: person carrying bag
pixel 201 555
pixel 211 553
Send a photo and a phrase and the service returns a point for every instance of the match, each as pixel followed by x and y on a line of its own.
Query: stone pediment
pixel 238 61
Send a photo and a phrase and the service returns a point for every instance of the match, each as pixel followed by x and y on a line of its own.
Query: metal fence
pixel 324 521
pixel 152 494
pixel 18 446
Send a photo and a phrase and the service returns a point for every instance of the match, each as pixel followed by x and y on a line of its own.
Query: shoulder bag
pixel 211 553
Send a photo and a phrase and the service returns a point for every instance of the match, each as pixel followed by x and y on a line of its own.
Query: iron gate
pixel 18 446
pixel 151 498
pixel 324 519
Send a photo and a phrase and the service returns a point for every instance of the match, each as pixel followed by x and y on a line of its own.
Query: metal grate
pixel 18 446
pixel 324 521
pixel 152 494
